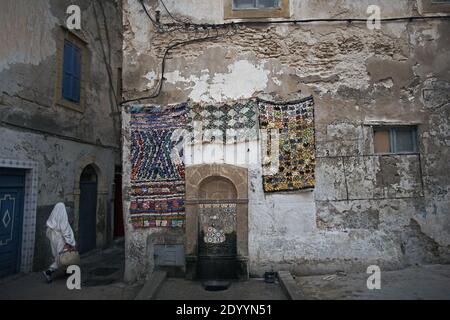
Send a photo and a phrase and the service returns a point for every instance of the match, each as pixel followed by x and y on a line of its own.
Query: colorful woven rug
pixel 234 122
pixel 157 175
pixel 294 126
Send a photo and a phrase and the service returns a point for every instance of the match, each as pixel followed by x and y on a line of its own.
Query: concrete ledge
pixel 152 286
pixel 289 286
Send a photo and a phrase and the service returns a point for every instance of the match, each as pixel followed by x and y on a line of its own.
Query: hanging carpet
pixel 292 125
pixel 157 174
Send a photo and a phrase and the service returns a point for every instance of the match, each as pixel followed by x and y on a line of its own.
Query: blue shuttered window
pixel 71 72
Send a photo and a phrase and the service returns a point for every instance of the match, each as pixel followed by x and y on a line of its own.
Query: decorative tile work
pixel 29 209
pixel 294 122
pixel 234 122
pixel 217 221
pixel 157 175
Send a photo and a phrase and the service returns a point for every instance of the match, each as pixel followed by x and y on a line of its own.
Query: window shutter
pixel 76 74
pixel 71 72
pixel 67 70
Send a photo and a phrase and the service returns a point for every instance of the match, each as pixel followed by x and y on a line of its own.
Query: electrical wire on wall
pixel 106 52
pixel 177 25
pixel 228 29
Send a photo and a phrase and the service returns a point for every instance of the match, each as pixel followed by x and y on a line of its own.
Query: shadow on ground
pixel 103 267
pixel 253 289
pixel 101 279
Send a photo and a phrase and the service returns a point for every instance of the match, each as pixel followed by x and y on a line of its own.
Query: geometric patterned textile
pixel 229 122
pixel 293 123
pixel 157 175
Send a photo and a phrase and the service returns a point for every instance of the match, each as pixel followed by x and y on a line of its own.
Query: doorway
pixel 87 225
pixel 118 205
pixel 12 186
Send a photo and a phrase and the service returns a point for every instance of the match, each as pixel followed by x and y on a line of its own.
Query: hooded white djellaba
pixel 59 232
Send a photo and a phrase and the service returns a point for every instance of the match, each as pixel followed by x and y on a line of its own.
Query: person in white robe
pixel 60 235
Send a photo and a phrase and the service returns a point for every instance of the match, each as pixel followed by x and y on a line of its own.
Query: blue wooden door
pixel 88 211
pixel 12 184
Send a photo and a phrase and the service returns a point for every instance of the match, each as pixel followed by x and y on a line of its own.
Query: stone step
pixel 290 286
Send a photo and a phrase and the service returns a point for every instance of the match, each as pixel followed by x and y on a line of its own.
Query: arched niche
pixel 217 188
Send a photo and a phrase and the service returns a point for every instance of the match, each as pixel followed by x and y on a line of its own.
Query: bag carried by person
pixel 69 258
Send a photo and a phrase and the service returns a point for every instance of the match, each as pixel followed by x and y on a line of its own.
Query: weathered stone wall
pixel 366 208
pixel 33 127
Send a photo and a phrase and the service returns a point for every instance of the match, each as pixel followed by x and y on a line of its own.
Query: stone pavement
pixel 102 274
pixel 101 279
pixel 254 289
pixel 31 287
pixel 415 283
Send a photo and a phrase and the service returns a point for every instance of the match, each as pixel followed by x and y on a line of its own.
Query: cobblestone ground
pixel 415 283
pixel 254 289
pixel 101 275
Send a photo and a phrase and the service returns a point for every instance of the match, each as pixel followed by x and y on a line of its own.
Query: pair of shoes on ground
pixel 47 275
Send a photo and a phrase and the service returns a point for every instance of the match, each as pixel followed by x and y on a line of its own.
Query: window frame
pixel 392 136
pixel 428 6
pixel 283 11
pixel 67 35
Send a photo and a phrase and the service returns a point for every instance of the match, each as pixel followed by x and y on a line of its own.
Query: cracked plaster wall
pixel 365 209
pixel 33 127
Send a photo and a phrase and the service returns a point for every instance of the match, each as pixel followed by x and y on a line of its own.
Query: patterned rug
pixel 157 175
pixel 293 124
pixel 235 122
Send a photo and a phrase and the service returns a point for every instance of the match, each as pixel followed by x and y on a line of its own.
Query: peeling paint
pixel 242 81
pixel 33 127
pixel 40 22
pixel 360 210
